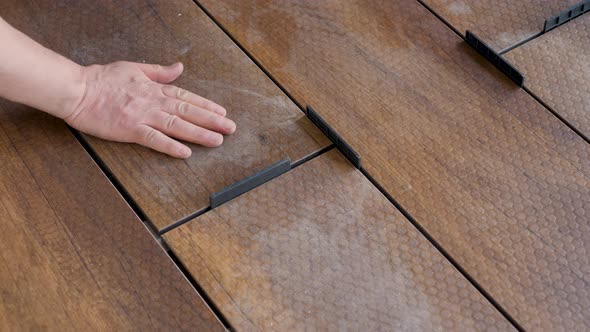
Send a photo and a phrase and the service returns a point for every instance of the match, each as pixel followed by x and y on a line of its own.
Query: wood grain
pixel 73 256
pixel 319 248
pixel 501 24
pixel 489 173
pixel 557 66
pixel 270 126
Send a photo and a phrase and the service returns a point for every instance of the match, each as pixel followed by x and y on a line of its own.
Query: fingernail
pixel 229 126
pixel 185 152
pixel 177 65
pixel 216 139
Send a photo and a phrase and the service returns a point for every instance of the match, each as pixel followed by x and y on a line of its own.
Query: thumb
pixel 161 74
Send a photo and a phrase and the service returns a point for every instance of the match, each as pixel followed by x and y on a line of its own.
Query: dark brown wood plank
pixel 494 177
pixel 319 248
pixel 501 24
pixel 557 67
pixel 270 126
pixel 73 256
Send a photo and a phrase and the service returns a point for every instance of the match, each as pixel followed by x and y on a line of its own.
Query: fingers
pixel 200 116
pixel 191 98
pixel 174 126
pixel 154 139
pixel 161 74
pixel 168 74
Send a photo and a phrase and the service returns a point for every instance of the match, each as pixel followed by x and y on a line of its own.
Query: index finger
pixel 189 97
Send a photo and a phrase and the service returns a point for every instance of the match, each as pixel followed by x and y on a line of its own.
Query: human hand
pixel 133 103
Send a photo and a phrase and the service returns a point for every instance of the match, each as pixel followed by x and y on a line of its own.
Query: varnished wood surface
pixel 494 177
pixel 500 23
pixel 270 126
pixel 73 256
pixel 557 67
pixel 319 248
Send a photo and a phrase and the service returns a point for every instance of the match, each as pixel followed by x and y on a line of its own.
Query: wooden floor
pixel 471 210
pixel 503 24
pixel 557 66
pixel 73 256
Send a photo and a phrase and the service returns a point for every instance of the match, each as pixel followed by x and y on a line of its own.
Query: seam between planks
pixel 111 177
pixel 249 55
pixel 208 208
pixel 520 43
pixel 443 252
pixel 151 228
pixel 398 206
pixel 557 115
pixel 506 50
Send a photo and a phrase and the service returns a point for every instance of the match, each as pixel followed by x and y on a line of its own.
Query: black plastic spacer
pixel 230 192
pixel 567 15
pixel 495 58
pixel 344 148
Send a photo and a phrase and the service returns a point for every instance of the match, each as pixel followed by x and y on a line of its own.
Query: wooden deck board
pixel 270 126
pixel 490 174
pixel 319 248
pixel 557 67
pixel 501 24
pixel 73 256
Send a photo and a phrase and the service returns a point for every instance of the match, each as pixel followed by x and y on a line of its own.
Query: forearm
pixel 36 76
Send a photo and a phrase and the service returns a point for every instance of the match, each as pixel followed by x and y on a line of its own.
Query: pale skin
pixel 122 101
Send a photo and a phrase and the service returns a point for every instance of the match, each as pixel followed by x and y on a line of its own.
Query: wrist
pixel 72 94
